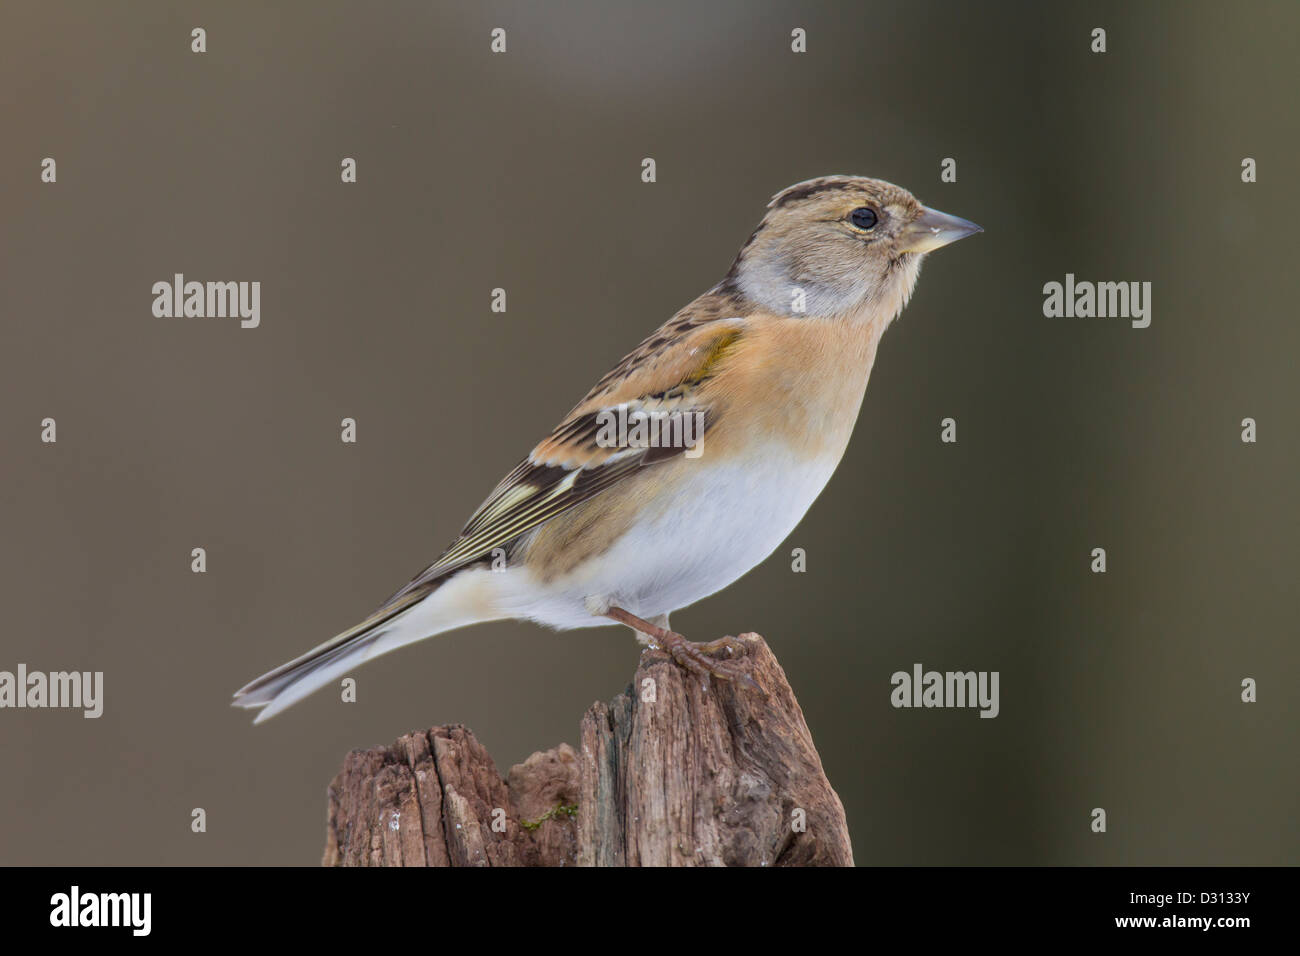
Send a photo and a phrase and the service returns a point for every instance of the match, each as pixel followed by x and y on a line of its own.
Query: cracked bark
pixel 668 773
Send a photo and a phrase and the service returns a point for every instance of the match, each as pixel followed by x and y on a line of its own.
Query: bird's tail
pixel 447 605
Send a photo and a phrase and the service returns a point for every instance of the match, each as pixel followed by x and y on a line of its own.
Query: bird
pixel 756 384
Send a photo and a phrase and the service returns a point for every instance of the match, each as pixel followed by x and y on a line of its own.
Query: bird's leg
pixel 696 658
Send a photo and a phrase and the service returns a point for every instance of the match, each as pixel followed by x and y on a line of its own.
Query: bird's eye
pixel 864 217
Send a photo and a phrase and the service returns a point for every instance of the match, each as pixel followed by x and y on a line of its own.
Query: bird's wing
pixel 665 374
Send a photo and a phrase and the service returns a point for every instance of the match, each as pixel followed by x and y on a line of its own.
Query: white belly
pixel 685 550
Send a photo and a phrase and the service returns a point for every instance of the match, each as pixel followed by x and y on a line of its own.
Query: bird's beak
pixel 934 229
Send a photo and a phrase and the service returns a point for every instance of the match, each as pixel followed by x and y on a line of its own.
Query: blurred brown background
pixel 522 171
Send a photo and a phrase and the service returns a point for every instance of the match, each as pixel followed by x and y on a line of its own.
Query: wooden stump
pixel 669 773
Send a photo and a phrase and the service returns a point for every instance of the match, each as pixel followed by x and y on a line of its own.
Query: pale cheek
pixel 896 288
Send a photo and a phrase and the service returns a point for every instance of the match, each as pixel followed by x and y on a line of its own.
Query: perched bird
pixel 757 384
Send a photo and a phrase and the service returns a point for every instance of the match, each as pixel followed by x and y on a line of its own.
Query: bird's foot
pixel 700 657
pixel 696 658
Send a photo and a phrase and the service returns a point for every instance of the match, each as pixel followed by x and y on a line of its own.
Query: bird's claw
pixel 699 659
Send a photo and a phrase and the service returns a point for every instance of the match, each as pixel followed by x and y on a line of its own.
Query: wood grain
pixel 669 773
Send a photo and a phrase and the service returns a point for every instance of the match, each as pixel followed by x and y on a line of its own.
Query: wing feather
pixel 666 373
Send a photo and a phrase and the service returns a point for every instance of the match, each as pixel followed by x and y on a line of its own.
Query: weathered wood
pixel 669 773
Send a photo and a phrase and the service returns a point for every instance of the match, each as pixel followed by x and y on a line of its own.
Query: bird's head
pixel 840 246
